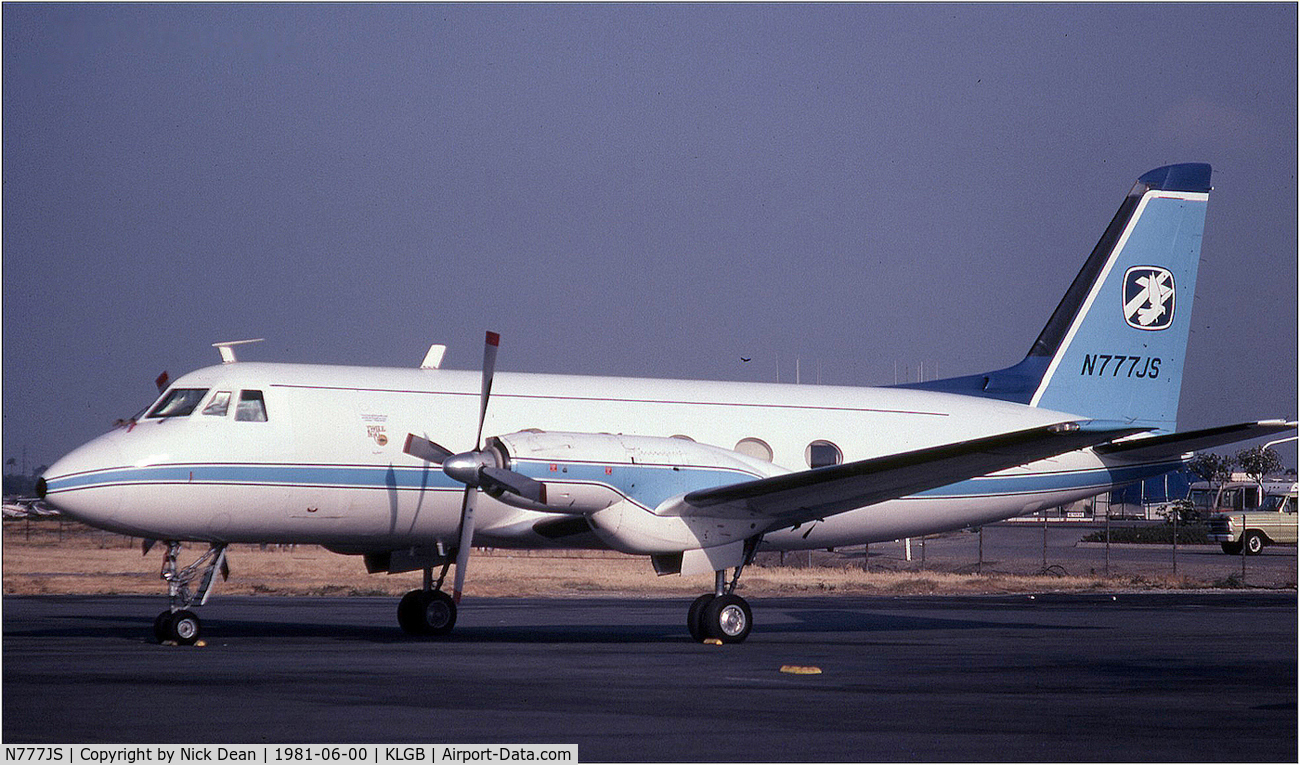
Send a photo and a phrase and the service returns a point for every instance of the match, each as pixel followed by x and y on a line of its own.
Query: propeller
pixel 477 469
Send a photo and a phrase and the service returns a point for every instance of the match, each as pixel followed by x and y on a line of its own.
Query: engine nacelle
pixel 630 528
pixel 620 481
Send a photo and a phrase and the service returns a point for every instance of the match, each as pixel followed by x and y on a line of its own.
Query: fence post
pixel 1044 512
pixel 1243 549
pixel 1107 569
pixel 1175 542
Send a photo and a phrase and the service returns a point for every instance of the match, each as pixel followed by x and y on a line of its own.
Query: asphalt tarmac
pixel 1097 677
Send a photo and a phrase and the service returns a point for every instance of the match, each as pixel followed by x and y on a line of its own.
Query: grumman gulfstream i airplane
pixel 392 464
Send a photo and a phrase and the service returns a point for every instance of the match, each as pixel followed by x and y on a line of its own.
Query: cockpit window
pixel 219 405
pixel 179 402
pixel 251 406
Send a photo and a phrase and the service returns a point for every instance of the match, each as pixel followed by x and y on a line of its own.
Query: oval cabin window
pixel 756 448
pixel 823 454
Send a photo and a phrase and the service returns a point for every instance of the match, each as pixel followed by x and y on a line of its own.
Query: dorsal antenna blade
pixel 227 349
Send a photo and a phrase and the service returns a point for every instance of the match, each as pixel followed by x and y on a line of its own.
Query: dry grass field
pixel 45 557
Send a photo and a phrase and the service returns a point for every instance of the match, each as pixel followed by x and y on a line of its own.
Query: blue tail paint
pixel 1113 349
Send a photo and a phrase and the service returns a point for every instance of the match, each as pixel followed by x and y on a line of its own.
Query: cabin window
pixel 251 406
pixel 823 454
pixel 756 448
pixel 219 405
pixel 179 402
pixel 1239 498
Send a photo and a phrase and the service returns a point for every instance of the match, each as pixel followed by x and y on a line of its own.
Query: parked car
pixel 1273 522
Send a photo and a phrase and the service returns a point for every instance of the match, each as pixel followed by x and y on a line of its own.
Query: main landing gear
pixel 428 612
pixel 722 614
pixel 179 624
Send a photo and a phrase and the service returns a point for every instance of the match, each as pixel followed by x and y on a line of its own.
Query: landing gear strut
pixel 723 615
pixel 179 624
pixel 429 611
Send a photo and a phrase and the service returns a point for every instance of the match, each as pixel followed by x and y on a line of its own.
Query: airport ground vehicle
pixel 1272 522
pixel 1237 493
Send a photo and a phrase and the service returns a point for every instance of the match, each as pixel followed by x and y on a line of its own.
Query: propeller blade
pixel 423 448
pixel 495 479
pixel 466 539
pixel 161 381
pixel 489 369
pixel 469 469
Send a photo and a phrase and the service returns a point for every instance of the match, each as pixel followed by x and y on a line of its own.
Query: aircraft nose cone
pixel 81 484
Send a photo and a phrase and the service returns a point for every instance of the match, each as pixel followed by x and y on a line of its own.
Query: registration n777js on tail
pixel 411 468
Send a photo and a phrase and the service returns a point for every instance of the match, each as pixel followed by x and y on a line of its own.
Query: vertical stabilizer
pixel 1113 349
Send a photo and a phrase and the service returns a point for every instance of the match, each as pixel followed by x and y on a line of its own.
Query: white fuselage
pixel 326 465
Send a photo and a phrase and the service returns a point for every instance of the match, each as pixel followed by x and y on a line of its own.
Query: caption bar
pixel 368 754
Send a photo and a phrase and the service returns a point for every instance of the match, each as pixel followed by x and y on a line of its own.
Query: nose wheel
pixel 180 627
pixel 178 624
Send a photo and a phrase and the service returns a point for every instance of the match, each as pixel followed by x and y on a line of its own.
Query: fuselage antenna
pixel 228 349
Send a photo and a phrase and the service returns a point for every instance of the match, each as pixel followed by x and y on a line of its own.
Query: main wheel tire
pixel 439 613
pixel 162 626
pixel 1254 542
pixel 184 627
pixel 408 612
pixel 695 617
pixel 1231 548
pixel 426 613
pixel 728 618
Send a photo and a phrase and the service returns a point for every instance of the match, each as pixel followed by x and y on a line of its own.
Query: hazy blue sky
pixel 633 190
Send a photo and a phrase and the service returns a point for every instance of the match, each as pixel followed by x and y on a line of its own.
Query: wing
pixel 811 494
pixel 1173 445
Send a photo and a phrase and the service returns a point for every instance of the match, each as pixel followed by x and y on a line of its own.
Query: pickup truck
pixel 1272 523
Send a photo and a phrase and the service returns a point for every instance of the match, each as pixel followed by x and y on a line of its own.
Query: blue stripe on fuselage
pixel 647 485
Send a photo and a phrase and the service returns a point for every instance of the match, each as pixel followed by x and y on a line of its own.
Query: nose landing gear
pixel 178 624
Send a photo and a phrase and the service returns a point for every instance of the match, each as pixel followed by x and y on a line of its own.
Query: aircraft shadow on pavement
pixel 796 622
pixel 835 620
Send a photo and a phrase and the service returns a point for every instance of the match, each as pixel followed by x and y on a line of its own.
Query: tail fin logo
pixel 1149 297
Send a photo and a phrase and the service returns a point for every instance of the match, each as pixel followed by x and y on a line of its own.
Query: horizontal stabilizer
pixel 811 494
pixel 1175 444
